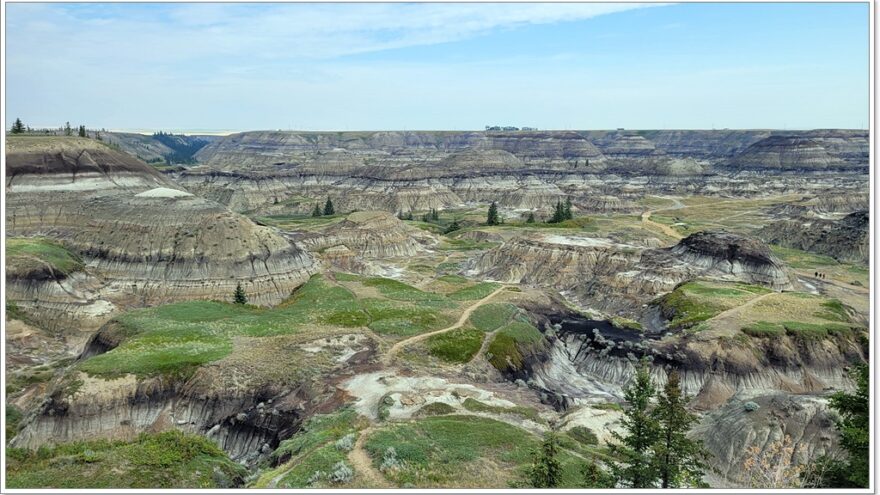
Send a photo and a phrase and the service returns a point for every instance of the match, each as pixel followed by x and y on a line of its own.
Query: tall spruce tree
pixel 566 209
pixel 82 131
pixel 546 471
pixel 17 127
pixel 435 216
pixel 558 213
pixel 317 211
pixel 596 477
pixel 68 131
pixel 492 218
pixel 679 460
pixel 634 448
pixel 855 438
pixel 531 218
pixel 328 207
pixel 239 297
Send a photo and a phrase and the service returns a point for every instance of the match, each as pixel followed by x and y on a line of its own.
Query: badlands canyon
pixel 331 309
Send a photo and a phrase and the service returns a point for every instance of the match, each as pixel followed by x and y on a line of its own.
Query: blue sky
pixel 438 66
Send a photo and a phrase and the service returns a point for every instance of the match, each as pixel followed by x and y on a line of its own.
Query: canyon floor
pixel 381 346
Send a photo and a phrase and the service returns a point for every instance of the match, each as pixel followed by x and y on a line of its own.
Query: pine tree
pixel 855 437
pixel 67 129
pixel 492 217
pixel 641 430
pixel 452 227
pixel 558 213
pixel 317 211
pixel 328 207
pixel 546 471
pixel 434 214
pixel 82 131
pixel 566 209
pixel 531 218
pixel 17 127
pixel 679 460
pixel 596 477
pixel 240 297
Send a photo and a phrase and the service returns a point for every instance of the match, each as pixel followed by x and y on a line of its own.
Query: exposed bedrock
pixel 247 406
pixel 846 239
pixel 370 235
pixel 618 277
pixel 140 233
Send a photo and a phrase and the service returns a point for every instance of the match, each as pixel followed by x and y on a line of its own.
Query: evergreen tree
pixel 679 460
pixel 426 217
pixel 566 209
pixel 855 437
pixel 531 218
pixel 240 297
pixel 17 127
pixel 317 211
pixel 546 471
pixel 558 213
pixel 82 131
pixel 641 430
pixel 452 227
pixel 492 218
pixel 596 477
pixel 328 207
pixel 67 130
pixel 434 214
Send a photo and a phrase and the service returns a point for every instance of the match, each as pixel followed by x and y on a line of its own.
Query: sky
pixel 216 67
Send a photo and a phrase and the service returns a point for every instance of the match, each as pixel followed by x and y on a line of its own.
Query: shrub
pixel 342 473
pixel 345 443
pixel 751 406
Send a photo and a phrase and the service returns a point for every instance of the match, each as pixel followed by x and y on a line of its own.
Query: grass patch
pixel 28 255
pixel 453 279
pixel 166 460
pixel 434 409
pixel 764 329
pixel 175 339
pixel 465 245
pixel 693 302
pixel 490 317
pixel 583 435
pixel 506 350
pixel 457 451
pixel 529 413
pixel 815 331
pixel 456 346
pixel 399 291
pixel 474 292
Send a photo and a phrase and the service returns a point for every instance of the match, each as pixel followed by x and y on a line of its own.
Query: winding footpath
pixel 393 350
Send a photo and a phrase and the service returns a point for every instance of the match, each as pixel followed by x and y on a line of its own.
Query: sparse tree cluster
pixel 652 452
pixel 561 212
pixel 328 210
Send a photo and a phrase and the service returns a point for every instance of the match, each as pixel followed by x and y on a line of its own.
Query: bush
pixel 342 473
pixel 345 443
pixel 751 406
pixel 583 435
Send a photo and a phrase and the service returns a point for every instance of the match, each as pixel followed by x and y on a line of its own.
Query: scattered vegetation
pixel 452 451
pixel 529 413
pixel 166 460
